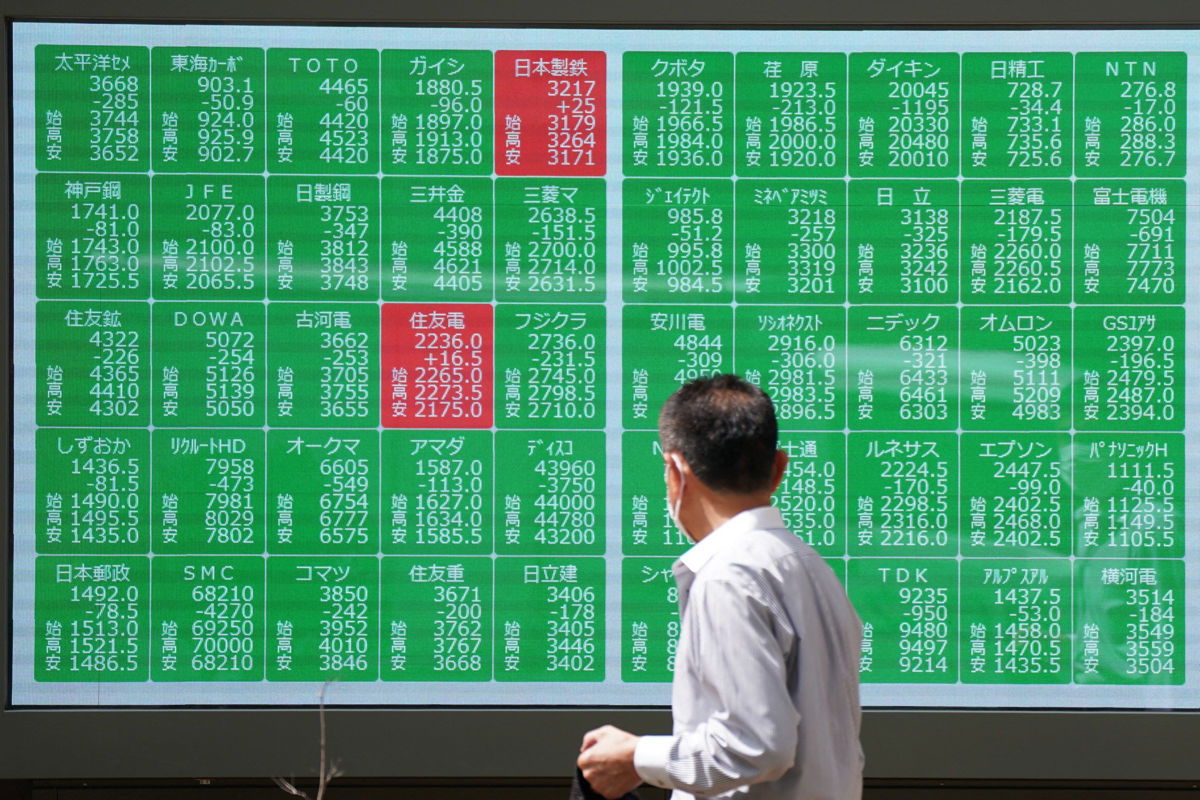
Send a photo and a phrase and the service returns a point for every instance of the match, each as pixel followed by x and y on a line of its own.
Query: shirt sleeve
pixel 650 759
pixel 740 669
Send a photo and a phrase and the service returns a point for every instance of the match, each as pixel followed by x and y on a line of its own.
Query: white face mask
pixel 673 510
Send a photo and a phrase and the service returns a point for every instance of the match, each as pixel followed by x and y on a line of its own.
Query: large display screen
pixel 337 354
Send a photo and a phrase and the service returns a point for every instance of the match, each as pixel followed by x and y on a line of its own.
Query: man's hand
pixel 606 761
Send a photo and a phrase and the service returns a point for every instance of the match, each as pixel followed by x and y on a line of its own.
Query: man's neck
pixel 712 509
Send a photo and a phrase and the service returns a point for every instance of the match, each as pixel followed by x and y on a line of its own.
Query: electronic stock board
pixel 338 353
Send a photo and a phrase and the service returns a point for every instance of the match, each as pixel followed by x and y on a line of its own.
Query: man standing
pixel 765 695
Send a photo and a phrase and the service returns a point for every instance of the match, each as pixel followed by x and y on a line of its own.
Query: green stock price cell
pixel 322 492
pixel 650 624
pixel 1130 371
pixel 324 111
pixel 1016 621
pixel 550 366
pixel 436 619
pixel 437 492
pixel 678 113
pixel 797 354
pixel 550 496
pixel 791 241
pixel 92 107
pixel 91 619
pixel 1129 622
pixel 209 237
pixel 324 365
pixel 646 526
pixel 322 619
pixel 1016 494
pixel 909 610
pixel 93 364
pixel 437 112
pixel 93 491
pixel 903 368
pixel 209 109
pixel 550 239
pixel 324 238
pixel 904 114
pixel 1016 371
pixel 209 492
pixel 812 495
pixel 1016 241
pixel 209 617
pixel 549 619
pixel 665 346
pixel 93 236
pixel 791 112
pixel 903 242
pixel 678 241
pixel 1129 239
pixel 209 364
pixel 1129 500
pixel 1017 114
pixel 437 235
pixel 903 494
pixel 1129 114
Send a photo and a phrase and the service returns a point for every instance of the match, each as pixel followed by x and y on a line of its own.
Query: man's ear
pixel 672 468
pixel 781 462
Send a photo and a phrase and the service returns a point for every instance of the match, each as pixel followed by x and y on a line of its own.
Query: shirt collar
pixel 727 535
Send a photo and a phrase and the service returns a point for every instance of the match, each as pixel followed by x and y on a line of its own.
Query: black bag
pixel 582 790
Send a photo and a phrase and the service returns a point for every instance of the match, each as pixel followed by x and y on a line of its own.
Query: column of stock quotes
pixel 348 361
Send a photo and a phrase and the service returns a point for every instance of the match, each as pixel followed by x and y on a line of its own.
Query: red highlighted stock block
pixel 550 112
pixel 437 365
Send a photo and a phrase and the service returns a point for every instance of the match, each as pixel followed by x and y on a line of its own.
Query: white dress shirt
pixel 765 695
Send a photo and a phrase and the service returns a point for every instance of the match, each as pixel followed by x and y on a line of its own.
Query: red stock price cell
pixel 550 117
pixel 437 365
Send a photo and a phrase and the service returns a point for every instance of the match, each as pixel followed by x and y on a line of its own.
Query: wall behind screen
pixel 537 742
